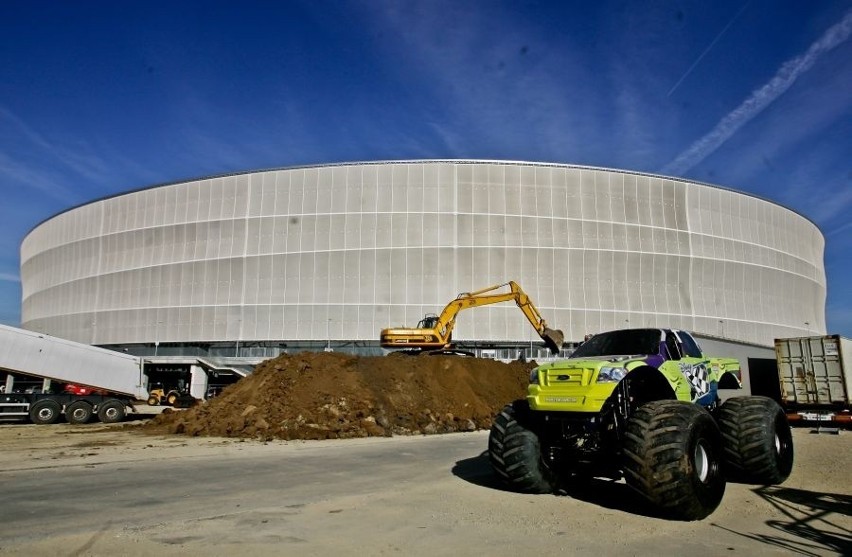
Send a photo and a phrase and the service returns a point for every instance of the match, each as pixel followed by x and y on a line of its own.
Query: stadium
pixel 324 257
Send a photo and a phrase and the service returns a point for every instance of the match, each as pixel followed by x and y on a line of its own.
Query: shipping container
pixel 815 378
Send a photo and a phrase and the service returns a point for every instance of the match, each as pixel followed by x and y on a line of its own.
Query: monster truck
pixel 643 405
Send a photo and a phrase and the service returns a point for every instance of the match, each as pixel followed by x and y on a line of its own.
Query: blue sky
pixel 98 98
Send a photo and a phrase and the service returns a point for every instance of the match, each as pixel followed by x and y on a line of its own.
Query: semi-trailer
pixel 84 382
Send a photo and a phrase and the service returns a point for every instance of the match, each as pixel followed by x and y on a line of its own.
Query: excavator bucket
pixel 553 339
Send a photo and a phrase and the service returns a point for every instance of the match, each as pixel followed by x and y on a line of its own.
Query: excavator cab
pixel 430 321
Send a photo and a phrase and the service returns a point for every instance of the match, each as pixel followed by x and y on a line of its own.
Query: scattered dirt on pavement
pixel 330 395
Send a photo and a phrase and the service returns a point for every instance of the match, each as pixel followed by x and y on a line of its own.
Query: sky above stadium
pixel 99 98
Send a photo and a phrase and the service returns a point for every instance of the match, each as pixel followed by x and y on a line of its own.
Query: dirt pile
pixel 331 395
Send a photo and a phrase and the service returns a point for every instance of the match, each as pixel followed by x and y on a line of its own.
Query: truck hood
pixel 579 372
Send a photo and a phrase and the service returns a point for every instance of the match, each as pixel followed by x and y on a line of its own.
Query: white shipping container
pixel 814 371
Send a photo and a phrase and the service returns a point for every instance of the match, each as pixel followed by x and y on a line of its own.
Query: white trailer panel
pixel 814 371
pixel 41 355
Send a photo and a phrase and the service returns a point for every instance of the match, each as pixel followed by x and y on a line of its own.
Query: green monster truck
pixel 641 404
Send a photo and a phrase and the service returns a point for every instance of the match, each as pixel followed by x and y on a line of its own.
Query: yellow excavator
pixel 434 332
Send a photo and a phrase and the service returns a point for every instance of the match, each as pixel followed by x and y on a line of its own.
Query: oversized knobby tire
pixel 758 443
pixel 515 452
pixel 172 398
pixel 45 412
pixel 673 458
pixel 79 412
pixel 153 400
pixel 111 411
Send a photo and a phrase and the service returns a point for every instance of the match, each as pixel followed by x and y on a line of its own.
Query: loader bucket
pixel 553 339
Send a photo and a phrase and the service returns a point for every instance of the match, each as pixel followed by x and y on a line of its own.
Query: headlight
pixel 534 375
pixel 611 374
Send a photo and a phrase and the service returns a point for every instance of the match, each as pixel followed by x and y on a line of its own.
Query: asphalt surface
pixel 119 493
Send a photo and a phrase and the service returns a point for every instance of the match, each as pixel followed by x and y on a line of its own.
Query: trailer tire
pixel 111 411
pixel 515 452
pixel 79 412
pixel 45 412
pixel 758 443
pixel 673 458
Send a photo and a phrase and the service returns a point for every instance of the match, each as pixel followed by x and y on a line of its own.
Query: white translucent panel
pixel 381 276
pixel 464 235
pixel 369 199
pixel 398 230
pixel 320 191
pixel 339 192
pixel 256 192
pixel 649 200
pixel 337 231
pixel 314 185
pixel 527 191
pixel 631 199
pixel 278 190
pixel 353 229
pixel 384 185
pixel 382 234
pixel 446 188
pixel 544 233
pixel 205 199
pixel 616 198
pixel 415 188
pixel 529 232
pixel 397 284
pixel 399 189
pixel 414 230
pixel 544 194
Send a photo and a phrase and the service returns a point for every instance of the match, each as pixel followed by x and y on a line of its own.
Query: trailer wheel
pixel 111 411
pixel 757 440
pixel 45 412
pixel 79 412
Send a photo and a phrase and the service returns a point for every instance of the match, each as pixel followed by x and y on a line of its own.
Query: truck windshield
pixel 620 343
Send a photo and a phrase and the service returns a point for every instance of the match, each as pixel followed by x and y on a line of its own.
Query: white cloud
pixel 784 78
pixel 9 277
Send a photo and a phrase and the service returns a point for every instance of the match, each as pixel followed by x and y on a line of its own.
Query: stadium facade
pixel 328 255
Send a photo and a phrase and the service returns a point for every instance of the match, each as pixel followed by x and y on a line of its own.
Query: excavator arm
pixel 435 332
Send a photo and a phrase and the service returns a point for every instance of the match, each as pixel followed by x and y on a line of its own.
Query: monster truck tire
pixel 757 441
pixel 515 452
pixel 673 458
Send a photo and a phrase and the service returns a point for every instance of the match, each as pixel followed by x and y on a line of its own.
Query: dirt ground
pixel 301 414
pixel 329 395
pixel 87 490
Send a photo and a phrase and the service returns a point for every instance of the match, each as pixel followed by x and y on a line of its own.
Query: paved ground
pixel 107 490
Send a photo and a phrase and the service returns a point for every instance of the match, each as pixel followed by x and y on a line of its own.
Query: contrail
pixel 706 50
pixel 761 98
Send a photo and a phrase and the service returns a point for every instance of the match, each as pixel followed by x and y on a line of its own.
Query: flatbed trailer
pixel 114 380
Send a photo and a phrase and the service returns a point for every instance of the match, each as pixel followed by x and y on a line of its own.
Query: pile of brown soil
pixel 330 395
